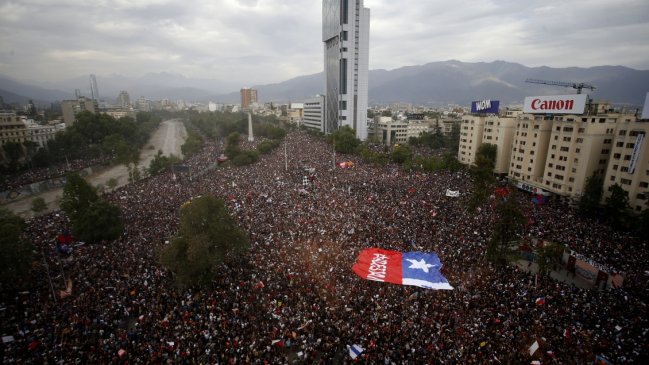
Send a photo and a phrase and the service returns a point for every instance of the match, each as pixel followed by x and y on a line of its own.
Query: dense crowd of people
pixel 34 175
pixel 292 298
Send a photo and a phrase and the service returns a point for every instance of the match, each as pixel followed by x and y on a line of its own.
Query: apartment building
pixel 18 129
pixel 499 131
pixel 248 97
pixel 314 109
pixel 471 131
pixel 579 147
pixel 629 161
pixel 530 148
pixel 70 108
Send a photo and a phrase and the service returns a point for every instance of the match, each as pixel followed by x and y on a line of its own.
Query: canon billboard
pixel 485 106
pixel 555 104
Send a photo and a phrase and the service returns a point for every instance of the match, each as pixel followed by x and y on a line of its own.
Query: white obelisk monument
pixel 251 138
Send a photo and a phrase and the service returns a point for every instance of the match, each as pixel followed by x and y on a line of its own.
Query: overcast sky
pixel 262 41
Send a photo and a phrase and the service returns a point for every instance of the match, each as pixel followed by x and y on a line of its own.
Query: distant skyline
pixel 252 42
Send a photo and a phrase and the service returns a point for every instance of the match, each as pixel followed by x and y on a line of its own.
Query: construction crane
pixel 574 85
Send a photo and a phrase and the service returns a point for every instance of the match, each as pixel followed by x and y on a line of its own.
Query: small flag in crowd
pixel 534 347
pixel 416 268
pixel 355 350
pixel 535 362
pixel 601 360
pixel 540 301
pixel 121 352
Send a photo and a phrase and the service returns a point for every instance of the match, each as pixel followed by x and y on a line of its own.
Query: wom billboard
pixel 485 106
pixel 555 104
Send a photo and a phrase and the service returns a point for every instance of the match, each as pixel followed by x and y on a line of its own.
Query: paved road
pixel 168 137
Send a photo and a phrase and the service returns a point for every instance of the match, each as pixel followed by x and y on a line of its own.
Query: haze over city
pixel 255 42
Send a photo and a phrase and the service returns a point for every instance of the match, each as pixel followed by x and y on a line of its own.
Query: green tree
pixel 589 203
pixel 483 177
pixel 160 163
pixel 77 197
pixel 502 246
pixel 232 148
pixel 548 257
pixel 401 154
pixel 344 140
pixel 453 139
pixel 386 113
pixel 13 151
pixel 207 237
pixel 17 254
pixel 192 144
pixel 267 146
pixel 245 158
pixel 38 205
pixel 111 183
pixel 616 208
pixel 643 219
pixel 101 221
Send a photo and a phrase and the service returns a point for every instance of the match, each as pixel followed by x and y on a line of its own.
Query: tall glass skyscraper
pixel 346 37
pixel 94 92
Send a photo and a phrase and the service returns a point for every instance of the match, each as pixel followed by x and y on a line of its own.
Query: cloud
pixel 250 42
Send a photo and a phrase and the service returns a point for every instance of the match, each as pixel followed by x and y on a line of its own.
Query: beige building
pixel 18 129
pixel 70 108
pixel 499 131
pixel 390 131
pixel 558 153
pixel 579 147
pixel 629 162
pixel 12 128
pixel 471 131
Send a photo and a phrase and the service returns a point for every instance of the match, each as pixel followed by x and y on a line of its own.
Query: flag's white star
pixel 420 264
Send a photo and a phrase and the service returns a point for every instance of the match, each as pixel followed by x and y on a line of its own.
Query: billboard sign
pixel 645 109
pixel 555 104
pixel 636 152
pixel 485 106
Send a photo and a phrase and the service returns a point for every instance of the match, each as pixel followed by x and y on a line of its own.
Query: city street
pixel 168 138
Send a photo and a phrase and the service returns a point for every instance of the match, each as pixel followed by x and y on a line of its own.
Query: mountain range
pixel 435 83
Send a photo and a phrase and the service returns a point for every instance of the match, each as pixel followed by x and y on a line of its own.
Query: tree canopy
pixel 502 246
pixel 344 139
pixel 92 220
pixel 206 238
pixel 17 254
pixel 616 207
pixel 589 203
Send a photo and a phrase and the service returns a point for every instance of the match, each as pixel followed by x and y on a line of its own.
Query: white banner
pixel 452 194
pixel 645 109
pixel 555 104
pixel 636 152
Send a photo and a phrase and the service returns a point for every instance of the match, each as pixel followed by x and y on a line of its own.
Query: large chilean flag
pixel 405 268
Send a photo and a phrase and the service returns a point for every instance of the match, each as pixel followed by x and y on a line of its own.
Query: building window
pixel 625 181
pixel 614 167
pixel 612 178
pixel 644 184
pixel 622 133
pixel 605 151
